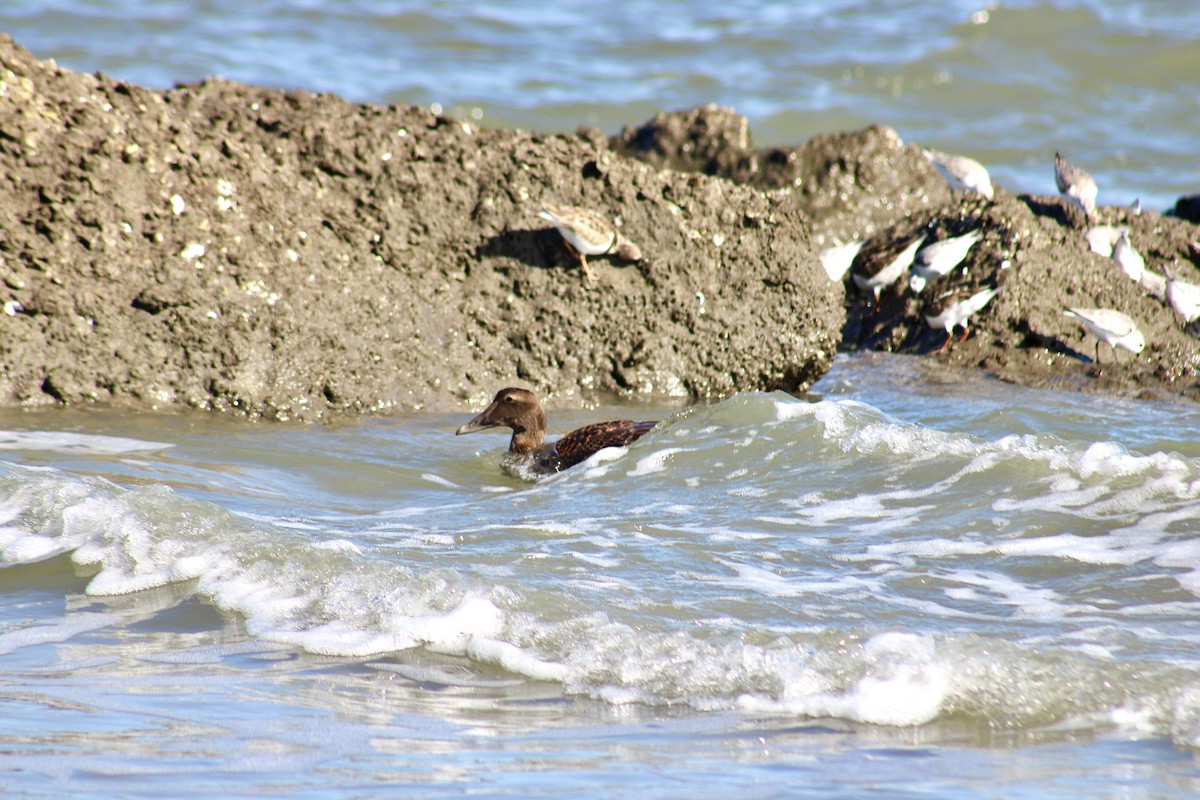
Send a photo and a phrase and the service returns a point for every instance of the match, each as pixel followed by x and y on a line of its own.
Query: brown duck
pixel 520 411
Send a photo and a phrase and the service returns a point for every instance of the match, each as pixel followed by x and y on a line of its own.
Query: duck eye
pixel 508 399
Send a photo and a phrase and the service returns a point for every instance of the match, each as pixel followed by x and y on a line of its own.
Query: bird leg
pixel 949 338
pixel 587 271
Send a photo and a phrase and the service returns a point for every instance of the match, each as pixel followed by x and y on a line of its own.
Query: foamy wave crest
pixel 346 601
pixel 329 600
pixel 889 678
pixel 1018 495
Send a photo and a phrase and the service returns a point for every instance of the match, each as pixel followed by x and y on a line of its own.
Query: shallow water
pixel 1110 83
pixel 917 583
pixel 892 584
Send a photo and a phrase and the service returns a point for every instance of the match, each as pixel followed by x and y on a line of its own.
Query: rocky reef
pixel 287 255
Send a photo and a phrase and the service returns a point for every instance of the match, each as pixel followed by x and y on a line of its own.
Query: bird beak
pixel 480 423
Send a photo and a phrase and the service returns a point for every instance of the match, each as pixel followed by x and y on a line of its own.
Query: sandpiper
pixel 1128 259
pixel 1110 326
pixel 1183 297
pixel 878 266
pixel 954 308
pixel 587 233
pixel 936 260
pixel 1154 283
pixel 838 258
pixel 962 173
pixel 1101 238
pixel 1075 185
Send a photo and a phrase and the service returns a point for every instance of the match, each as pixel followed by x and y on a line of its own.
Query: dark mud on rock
pixel 295 256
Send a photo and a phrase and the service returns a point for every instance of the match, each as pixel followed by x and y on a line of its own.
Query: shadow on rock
pixel 536 247
pixel 1051 208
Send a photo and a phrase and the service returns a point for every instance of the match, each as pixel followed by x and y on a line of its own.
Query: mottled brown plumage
pixel 881 263
pixel 520 411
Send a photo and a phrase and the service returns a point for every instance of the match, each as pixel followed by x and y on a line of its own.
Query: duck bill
pixel 480 423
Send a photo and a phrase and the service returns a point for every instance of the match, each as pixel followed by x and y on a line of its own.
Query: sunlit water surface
pixel 892 583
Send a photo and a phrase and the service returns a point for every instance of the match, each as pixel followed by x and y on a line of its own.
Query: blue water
pixel 917 582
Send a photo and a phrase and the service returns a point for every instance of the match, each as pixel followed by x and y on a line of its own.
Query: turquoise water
pixel 916 583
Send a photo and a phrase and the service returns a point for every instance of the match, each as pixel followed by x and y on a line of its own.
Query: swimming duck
pixel 520 411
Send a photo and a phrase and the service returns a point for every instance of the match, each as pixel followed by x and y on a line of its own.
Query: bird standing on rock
pixel 878 266
pixel 1102 238
pixel 936 260
pixel 1183 297
pixel 1128 259
pixel 956 307
pixel 962 173
pixel 1075 185
pixel 587 233
pixel 1110 326
pixel 837 258
pixel 520 411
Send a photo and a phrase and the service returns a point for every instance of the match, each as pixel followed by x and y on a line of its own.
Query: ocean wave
pixel 777 648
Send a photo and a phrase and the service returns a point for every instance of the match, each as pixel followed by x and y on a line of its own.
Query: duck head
pixel 517 410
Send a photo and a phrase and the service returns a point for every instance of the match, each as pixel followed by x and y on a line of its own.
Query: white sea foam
pixel 902 682
pixel 1029 601
pixel 325 599
pixel 65 442
pixel 767 582
pixel 654 462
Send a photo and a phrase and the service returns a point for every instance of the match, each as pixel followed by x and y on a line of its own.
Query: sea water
pixel 893 585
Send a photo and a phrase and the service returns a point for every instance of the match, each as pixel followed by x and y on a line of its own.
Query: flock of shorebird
pixel 876 267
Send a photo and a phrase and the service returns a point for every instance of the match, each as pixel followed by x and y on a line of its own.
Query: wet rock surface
pixel 294 256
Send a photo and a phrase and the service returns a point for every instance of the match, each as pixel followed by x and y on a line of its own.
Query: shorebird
pixel 962 173
pixel 1128 259
pixel 1110 326
pixel 954 308
pixel 1154 283
pixel 1183 297
pixel 878 266
pixel 838 258
pixel 936 260
pixel 587 233
pixel 520 411
pixel 1101 238
pixel 1075 185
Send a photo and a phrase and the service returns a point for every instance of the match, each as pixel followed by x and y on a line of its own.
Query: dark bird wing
pixel 582 442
